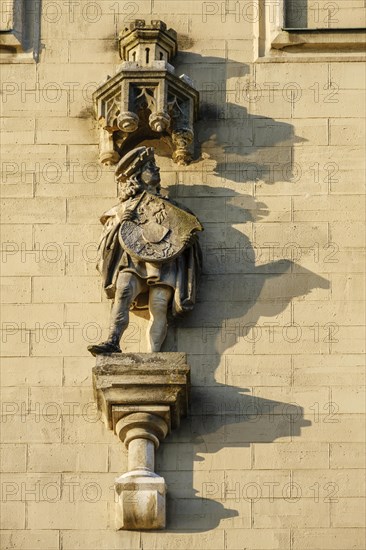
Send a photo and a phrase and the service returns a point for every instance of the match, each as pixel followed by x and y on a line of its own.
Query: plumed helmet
pixel 132 161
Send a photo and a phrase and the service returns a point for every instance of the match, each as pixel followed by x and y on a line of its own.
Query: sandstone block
pixel 66 289
pixel 103 539
pixel 12 515
pixel 15 289
pixel 64 514
pixel 259 539
pixel 30 540
pixel 31 371
pixel 348 512
pixel 347 455
pixel 13 457
pixel 328 538
pixel 296 513
pixel 310 455
pixel 68 458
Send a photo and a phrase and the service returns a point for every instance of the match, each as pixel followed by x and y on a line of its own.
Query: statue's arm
pixel 111 221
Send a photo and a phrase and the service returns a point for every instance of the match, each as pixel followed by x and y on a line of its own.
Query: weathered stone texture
pixel 270 456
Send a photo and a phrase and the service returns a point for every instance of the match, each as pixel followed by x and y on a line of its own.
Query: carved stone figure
pixel 149 254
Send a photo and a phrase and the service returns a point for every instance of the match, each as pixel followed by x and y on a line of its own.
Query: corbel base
pixel 140 501
pixel 142 397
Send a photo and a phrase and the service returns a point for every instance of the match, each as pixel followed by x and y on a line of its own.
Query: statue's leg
pixel 128 286
pixel 159 297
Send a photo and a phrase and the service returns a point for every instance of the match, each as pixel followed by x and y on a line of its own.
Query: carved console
pixel 142 397
pixel 145 100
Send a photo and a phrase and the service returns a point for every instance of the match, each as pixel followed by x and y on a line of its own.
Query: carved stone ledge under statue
pixel 145 100
pixel 142 397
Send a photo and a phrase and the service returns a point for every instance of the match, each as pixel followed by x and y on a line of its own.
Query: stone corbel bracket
pixel 142 397
pixel 145 100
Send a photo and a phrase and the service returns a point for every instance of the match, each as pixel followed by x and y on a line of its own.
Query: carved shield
pixel 158 229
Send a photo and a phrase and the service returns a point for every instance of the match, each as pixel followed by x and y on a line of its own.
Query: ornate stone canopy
pixel 145 100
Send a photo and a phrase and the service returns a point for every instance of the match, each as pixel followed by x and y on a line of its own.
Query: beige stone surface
pixel 67 458
pixel 347 455
pixel 263 539
pixel 281 177
pixel 15 289
pixel 328 539
pixel 12 515
pixel 31 540
pixel 76 539
pixel 31 372
pixel 13 458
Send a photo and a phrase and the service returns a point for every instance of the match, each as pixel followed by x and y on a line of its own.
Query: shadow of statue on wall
pixel 244 304
pixel 234 139
pixel 242 317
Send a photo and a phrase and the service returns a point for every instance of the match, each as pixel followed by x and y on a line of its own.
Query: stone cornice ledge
pixel 11 50
pixel 320 40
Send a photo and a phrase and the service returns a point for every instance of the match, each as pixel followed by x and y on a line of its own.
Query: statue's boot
pixel 105 348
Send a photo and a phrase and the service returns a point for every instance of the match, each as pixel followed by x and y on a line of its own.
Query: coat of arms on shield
pixel 158 231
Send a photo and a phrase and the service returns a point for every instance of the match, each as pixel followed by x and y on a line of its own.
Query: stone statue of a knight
pixel 149 254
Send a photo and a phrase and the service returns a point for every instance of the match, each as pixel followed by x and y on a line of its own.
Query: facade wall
pixel 271 454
